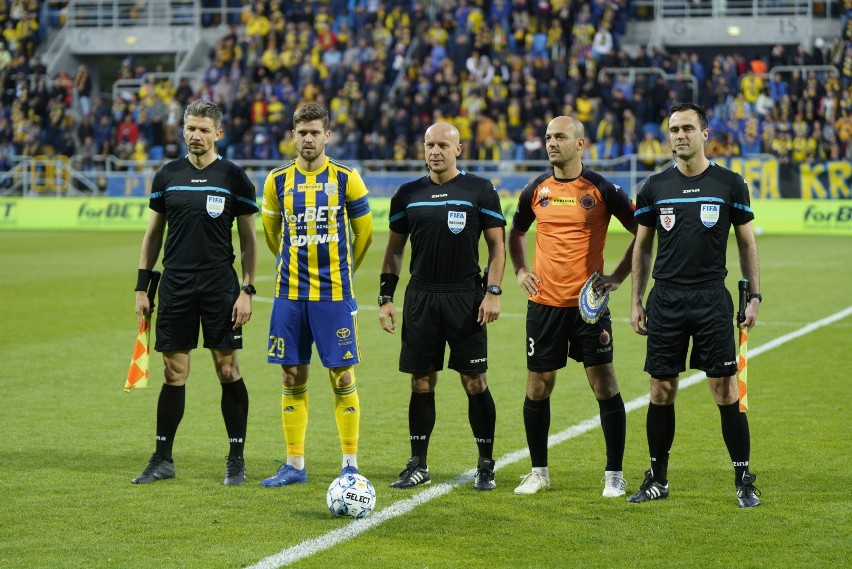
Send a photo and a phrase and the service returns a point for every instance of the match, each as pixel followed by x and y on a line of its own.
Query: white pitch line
pixel 400 507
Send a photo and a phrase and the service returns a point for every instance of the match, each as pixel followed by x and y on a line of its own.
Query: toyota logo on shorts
pixel 343 333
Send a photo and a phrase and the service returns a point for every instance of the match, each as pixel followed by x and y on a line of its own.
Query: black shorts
pixel 555 332
pixel 674 315
pixel 437 315
pixel 185 299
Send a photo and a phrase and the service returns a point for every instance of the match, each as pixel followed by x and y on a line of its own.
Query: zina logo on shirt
pixel 709 214
pixel 215 206
pixel 456 221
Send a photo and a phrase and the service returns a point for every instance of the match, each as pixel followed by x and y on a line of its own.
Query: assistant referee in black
pixel 691 208
pixel 199 196
pixel 446 301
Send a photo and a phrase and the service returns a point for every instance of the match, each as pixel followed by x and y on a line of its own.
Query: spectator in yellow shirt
pixel 751 85
pixel 271 57
pixel 651 151
pixel 803 148
pixel 257 24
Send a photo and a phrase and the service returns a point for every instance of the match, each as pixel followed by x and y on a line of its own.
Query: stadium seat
pixel 653 128
pixel 155 153
pixel 116 187
pixel 539 46
pixel 124 185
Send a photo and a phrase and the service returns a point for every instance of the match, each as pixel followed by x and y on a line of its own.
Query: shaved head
pixel 568 125
pixel 443 130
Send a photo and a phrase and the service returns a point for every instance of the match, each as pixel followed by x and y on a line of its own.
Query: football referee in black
pixel 446 301
pixel 199 196
pixel 691 208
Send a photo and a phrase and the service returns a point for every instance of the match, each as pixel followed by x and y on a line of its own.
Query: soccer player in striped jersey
pixel 571 207
pixel 318 224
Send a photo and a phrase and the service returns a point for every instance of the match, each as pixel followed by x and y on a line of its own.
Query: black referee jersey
pixel 444 223
pixel 693 218
pixel 200 207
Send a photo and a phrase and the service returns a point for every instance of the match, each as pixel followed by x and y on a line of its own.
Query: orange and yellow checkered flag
pixel 137 375
pixel 742 356
pixel 742 370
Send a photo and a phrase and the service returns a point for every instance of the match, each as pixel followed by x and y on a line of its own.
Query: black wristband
pixel 143 278
pixel 387 284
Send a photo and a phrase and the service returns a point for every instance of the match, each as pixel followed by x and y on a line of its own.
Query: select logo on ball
pixel 351 495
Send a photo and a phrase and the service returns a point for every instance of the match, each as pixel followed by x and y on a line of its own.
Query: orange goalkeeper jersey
pixel 572 218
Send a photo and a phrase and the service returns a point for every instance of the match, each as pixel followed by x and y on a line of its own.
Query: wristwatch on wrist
pixel 384 300
pixel 753 295
pixel 249 289
pixel 494 289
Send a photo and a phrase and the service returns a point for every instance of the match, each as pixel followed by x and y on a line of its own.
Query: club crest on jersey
pixel 456 221
pixel 667 218
pixel 709 214
pixel 588 201
pixel 330 188
pixel 544 197
pixel 215 206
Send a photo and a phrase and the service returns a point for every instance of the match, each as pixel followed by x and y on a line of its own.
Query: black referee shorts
pixel 205 297
pixel 437 315
pixel 705 314
pixel 555 332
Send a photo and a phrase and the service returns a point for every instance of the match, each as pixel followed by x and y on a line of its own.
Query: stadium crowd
pixel 499 70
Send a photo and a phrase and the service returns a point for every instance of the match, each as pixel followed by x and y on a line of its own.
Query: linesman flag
pixel 137 375
pixel 742 357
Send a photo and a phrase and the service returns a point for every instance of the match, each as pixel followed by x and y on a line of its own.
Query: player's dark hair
pixel 204 108
pixel 311 112
pixel 699 110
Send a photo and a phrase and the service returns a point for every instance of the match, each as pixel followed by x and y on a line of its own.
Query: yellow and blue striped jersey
pixel 306 219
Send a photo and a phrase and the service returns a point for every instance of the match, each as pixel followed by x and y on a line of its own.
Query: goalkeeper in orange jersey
pixel 199 197
pixel 318 224
pixel 691 208
pixel 571 207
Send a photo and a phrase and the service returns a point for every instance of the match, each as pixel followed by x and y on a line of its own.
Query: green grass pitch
pixel 72 439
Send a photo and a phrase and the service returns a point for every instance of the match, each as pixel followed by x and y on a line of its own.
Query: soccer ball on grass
pixel 351 495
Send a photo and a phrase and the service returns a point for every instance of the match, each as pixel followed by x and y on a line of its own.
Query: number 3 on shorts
pixel 532 347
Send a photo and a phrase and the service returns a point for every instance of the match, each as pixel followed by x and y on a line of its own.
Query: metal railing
pixel 47 176
pixel 742 8
pixel 127 13
pixel 33 176
pixel 820 70
pixel 133 85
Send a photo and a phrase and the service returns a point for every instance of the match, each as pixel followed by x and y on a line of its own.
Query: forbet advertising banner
pixel 57 214
pixel 772 216
pixel 802 217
